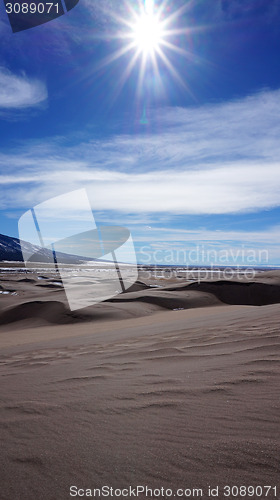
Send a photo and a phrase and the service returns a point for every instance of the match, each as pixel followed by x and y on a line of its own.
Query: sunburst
pixel 148 32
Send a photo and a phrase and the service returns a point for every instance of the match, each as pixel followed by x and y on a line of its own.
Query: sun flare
pixel 147 33
pixel 150 36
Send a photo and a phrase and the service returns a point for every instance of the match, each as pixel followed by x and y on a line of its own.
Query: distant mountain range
pixel 10 250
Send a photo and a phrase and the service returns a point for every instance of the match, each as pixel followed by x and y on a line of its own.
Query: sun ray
pixel 175 48
pixel 115 56
pixel 174 73
pixel 126 74
pixel 141 75
pixel 186 53
pixel 171 68
pixel 157 73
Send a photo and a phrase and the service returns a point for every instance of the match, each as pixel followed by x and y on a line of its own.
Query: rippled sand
pixel 137 391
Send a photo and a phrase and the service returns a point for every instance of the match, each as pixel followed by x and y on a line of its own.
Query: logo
pixel 95 263
pixel 25 14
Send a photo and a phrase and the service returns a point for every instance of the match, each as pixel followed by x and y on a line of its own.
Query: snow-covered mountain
pixel 10 250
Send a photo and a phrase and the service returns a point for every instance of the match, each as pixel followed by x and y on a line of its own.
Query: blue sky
pixel 202 171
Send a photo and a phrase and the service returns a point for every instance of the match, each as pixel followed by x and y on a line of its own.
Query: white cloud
pixel 216 159
pixel 18 92
pixel 233 188
pixel 200 236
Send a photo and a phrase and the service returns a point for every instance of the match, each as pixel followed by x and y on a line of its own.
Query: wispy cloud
pixel 217 159
pixel 198 246
pixel 19 91
pixel 164 234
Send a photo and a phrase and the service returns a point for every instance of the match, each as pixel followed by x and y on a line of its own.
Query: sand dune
pixel 51 306
pixel 136 391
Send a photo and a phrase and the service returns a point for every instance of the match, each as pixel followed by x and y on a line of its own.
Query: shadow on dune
pixel 236 293
pixel 142 300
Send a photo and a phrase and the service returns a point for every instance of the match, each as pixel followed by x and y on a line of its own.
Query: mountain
pixel 10 250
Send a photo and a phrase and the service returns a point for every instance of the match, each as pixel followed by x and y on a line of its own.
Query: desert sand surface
pixel 171 387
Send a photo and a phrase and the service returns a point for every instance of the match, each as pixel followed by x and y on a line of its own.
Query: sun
pixel 148 33
pixel 147 37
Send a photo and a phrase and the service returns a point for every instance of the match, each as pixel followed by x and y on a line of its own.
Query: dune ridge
pixel 49 305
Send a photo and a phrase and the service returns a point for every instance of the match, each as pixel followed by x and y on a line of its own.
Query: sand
pixel 137 390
